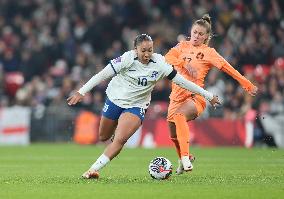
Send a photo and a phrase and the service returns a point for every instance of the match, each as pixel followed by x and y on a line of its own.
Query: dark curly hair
pixel 140 38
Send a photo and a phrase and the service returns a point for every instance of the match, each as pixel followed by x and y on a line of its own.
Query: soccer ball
pixel 160 168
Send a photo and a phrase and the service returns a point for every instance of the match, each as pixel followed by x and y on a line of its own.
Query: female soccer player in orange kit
pixel 193 59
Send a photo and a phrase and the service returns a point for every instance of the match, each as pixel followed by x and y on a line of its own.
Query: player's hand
pixel 215 101
pixel 253 91
pixel 74 99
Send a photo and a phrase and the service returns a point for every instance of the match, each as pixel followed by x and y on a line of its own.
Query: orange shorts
pixel 198 101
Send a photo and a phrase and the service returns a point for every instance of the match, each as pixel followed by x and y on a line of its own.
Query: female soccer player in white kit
pixel 128 95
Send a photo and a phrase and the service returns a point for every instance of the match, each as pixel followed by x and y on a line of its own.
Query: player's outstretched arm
pixel 218 61
pixel 245 83
pixel 106 73
pixel 181 81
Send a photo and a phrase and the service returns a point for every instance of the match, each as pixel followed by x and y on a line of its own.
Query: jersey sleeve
pixel 218 61
pixel 172 57
pixel 123 61
pixel 165 66
pixel 104 74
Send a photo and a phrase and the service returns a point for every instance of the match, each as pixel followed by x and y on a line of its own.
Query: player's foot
pixel 187 165
pixel 179 168
pixel 91 174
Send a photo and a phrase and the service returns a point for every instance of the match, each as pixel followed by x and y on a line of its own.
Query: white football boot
pixel 187 165
pixel 179 168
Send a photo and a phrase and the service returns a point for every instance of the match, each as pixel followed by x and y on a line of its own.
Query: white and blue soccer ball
pixel 160 168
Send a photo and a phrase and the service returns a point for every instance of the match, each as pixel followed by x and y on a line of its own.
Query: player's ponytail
pixel 205 21
pixel 207 18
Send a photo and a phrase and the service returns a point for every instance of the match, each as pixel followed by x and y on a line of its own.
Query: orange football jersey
pixel 195 62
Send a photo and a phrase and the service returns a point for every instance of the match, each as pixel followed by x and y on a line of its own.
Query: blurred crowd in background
pixel 48 48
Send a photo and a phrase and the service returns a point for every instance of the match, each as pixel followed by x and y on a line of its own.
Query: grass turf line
pixel 53 171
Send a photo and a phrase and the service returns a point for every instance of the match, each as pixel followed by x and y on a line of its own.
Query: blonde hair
pixel 205 21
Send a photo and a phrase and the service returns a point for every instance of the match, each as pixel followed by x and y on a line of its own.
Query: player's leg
pixel 128 124
pixel 107 128
pixel 172 128
pixel 187 111
pixel 173 135
pixel 110 114
pixel 173 106
pixel 108 124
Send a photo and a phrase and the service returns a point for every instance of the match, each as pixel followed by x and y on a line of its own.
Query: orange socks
pixel 175 141
pixel 182 132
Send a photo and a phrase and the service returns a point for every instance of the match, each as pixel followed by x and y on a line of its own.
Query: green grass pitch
pixel 53 171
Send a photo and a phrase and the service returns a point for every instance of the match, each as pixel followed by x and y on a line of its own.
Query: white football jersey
pixel 134 81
